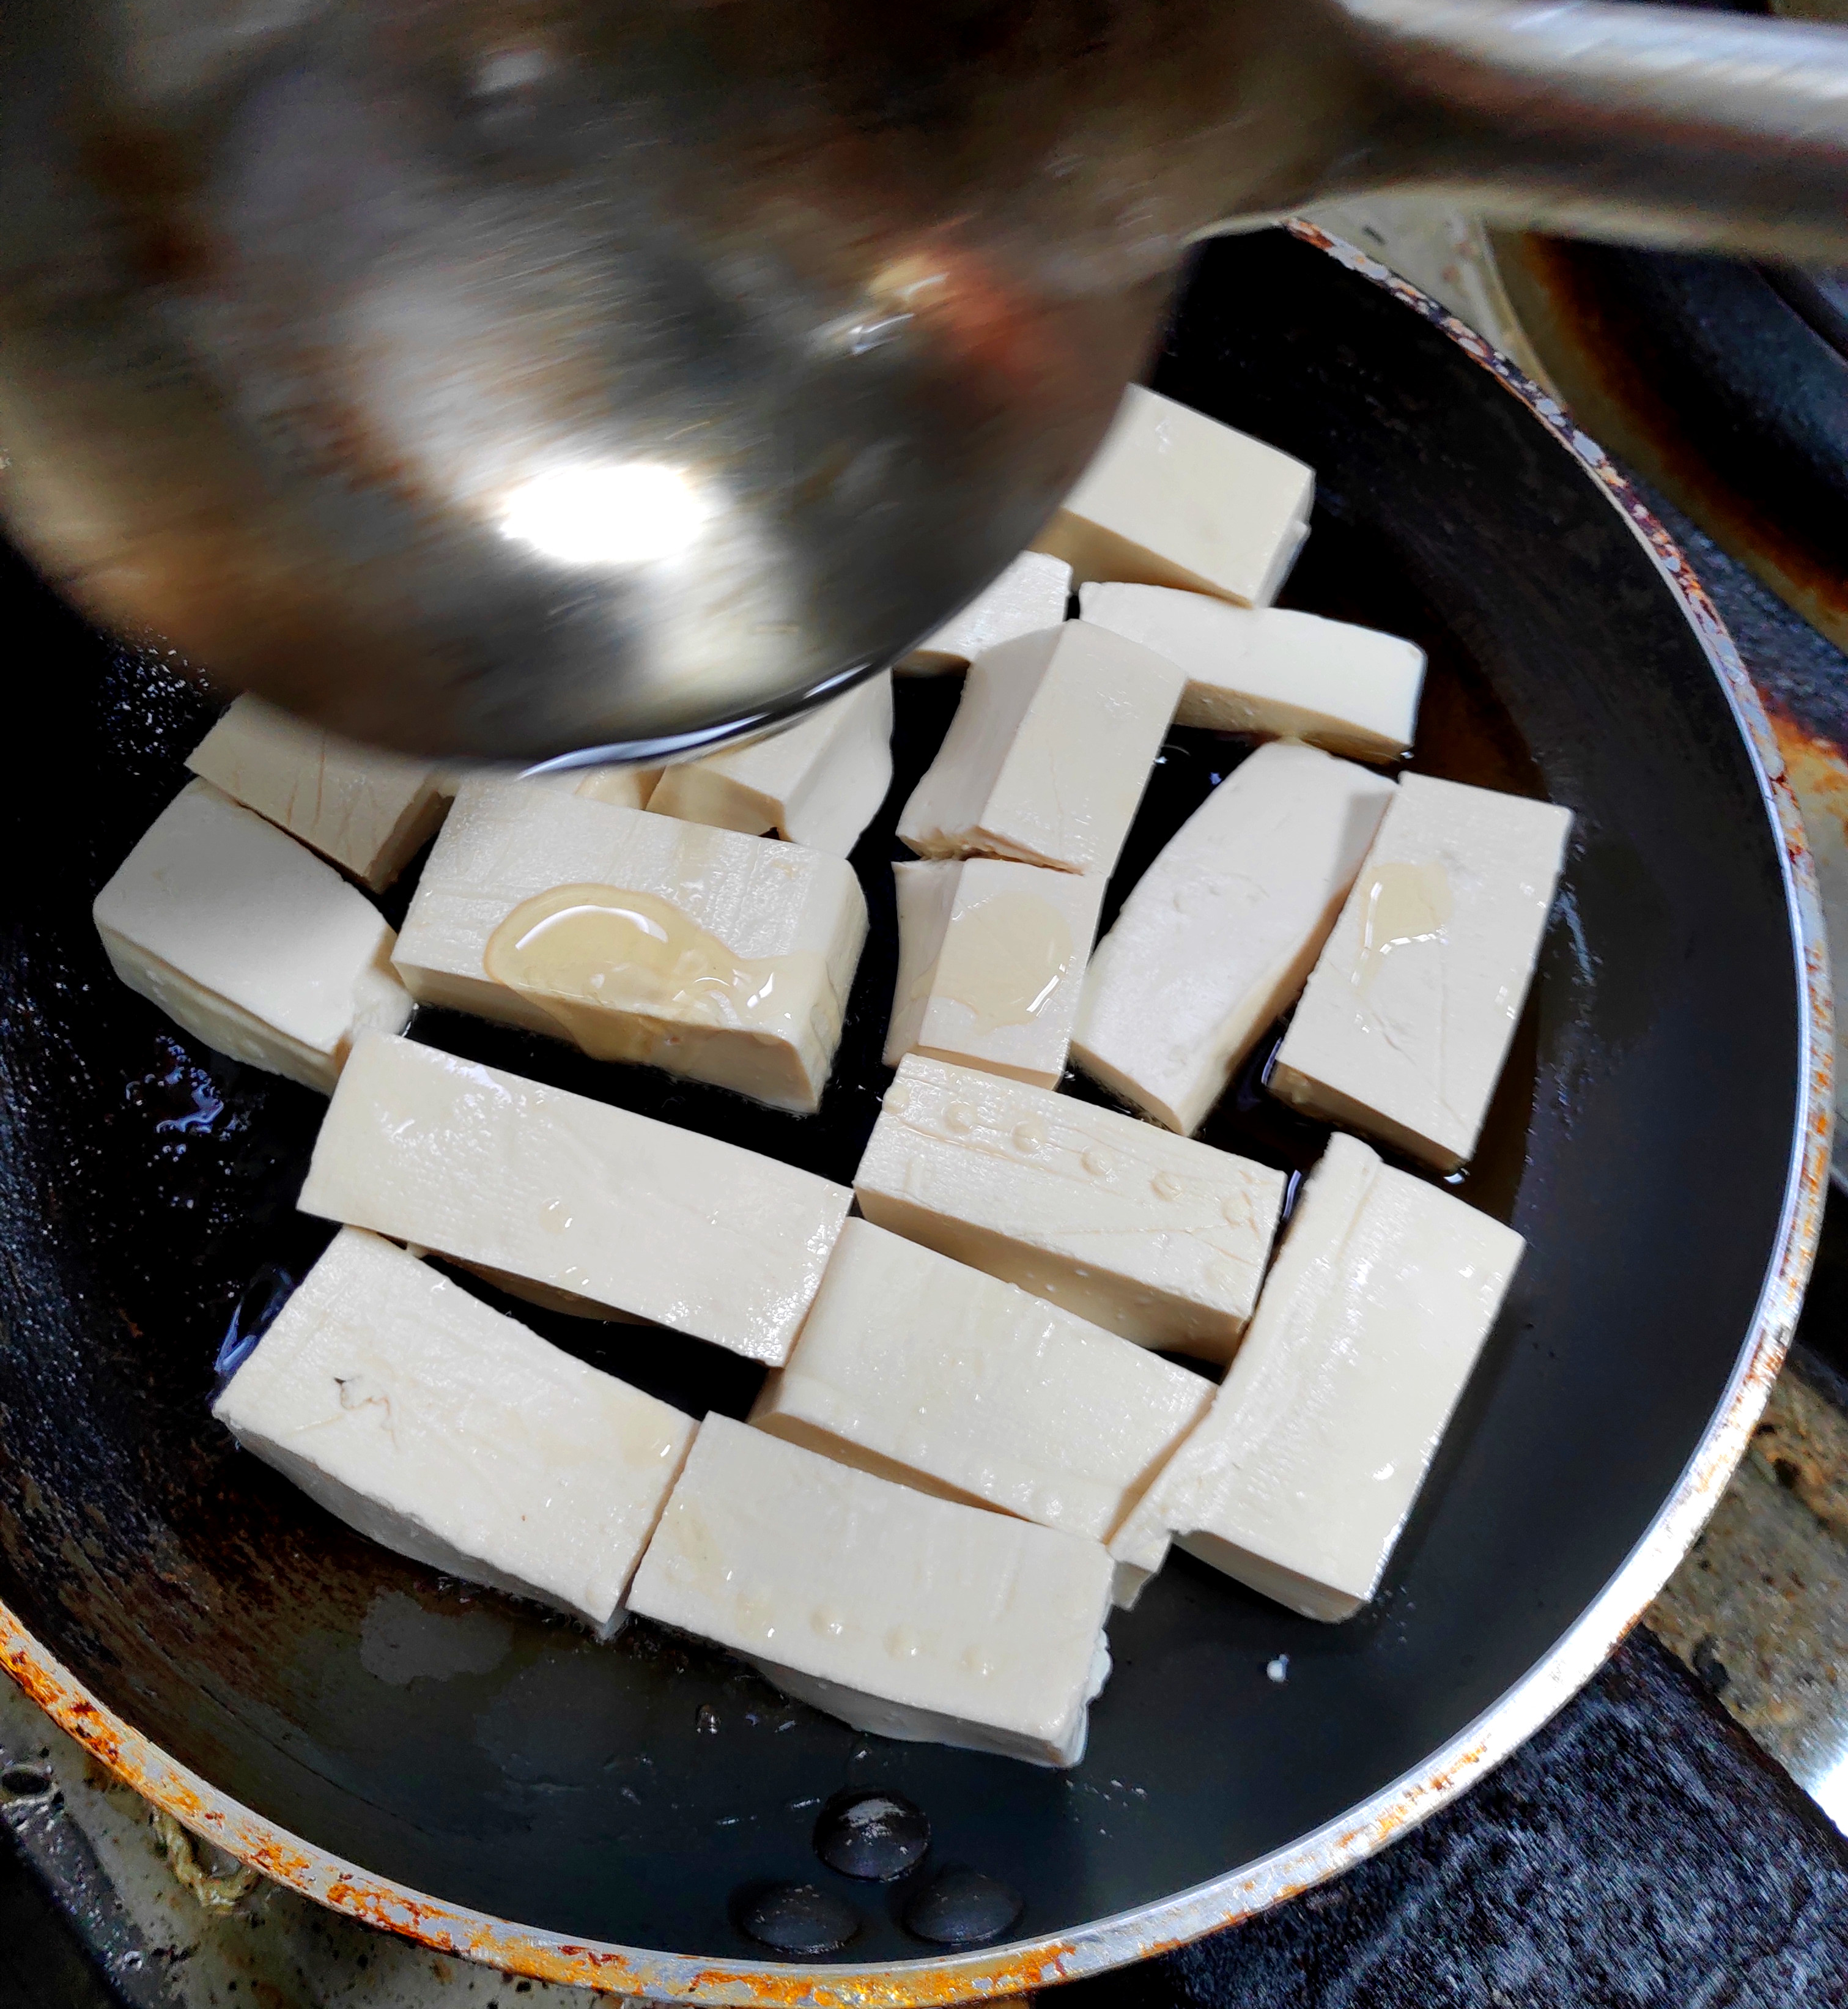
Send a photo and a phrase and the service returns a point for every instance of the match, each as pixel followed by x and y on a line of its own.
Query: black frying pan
pixel 1656 1138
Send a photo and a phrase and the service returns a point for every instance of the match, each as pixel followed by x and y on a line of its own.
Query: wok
pixel 461 1767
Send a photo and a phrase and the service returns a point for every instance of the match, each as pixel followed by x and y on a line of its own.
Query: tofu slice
pixel 1301 1478
pixel 1048 752
pixel 1219 933
pixel 643 1216
pixel 453 1435
pixel 1272 670
pixel 925 1371
pixel 818 782
pixel 1152 1237
pixel 725 958
pixel 906 1616
pixel 250 942
pixel 991 964
pixel 1407 1017
pixel 1032 593
pixel 368 811
pixel 1173 498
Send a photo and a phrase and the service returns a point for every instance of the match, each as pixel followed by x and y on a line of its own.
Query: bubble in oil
pixel 256 1311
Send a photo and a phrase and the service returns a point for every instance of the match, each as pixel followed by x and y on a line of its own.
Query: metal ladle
pixel 505 378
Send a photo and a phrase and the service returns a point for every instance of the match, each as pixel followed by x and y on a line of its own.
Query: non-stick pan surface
pixel 1646 1141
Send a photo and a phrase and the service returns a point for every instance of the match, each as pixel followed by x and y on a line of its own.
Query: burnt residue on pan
pixel 1713 381
pixel 475 1750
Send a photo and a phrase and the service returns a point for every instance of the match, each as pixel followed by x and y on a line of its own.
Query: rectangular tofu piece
pixel 644 1218
pixel 921 1369
pixel 368 811
pixel 250 942
pixel 906 1616
pixel 991 964
pixel 453 1435
pixel 1272 670
pixel 1048 752
pixel 1032 593
pixel 1407 1017
pixel 1302 1475
pixel 1152 1236
pixel 1173 498
pixel 818 782
pixel 1218 935
pixel 725 958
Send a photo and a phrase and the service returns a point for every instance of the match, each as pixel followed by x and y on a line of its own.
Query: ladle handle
pixel 1657 125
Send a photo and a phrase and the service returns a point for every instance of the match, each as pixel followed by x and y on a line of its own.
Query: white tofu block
pixel 908 1617
pixel 1272 670
pixel 660 1222
pixel 725 958
pixel 453 1435
pixel 1302 1475
pixel 818 782
pixel 1152 1236
pixel 991 964
pixel 1032 593
pixel 246 940
pixel 1174 498
pixel 1407 1017
pixel 368 811
pixel 1048 752
pixel 1219 933
pixel 925 1371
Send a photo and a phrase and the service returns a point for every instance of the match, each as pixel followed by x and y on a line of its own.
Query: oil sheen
pixel 1400 905
pixel 1004 958
pixel 627 975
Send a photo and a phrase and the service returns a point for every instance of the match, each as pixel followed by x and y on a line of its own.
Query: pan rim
pixel 1173 1921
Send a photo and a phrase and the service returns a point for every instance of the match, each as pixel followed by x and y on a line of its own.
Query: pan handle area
pixel 1648 125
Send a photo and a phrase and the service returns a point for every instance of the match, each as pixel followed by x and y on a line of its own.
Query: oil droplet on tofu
pixel 1400 905
pixel 627 975
pixel 1003 958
